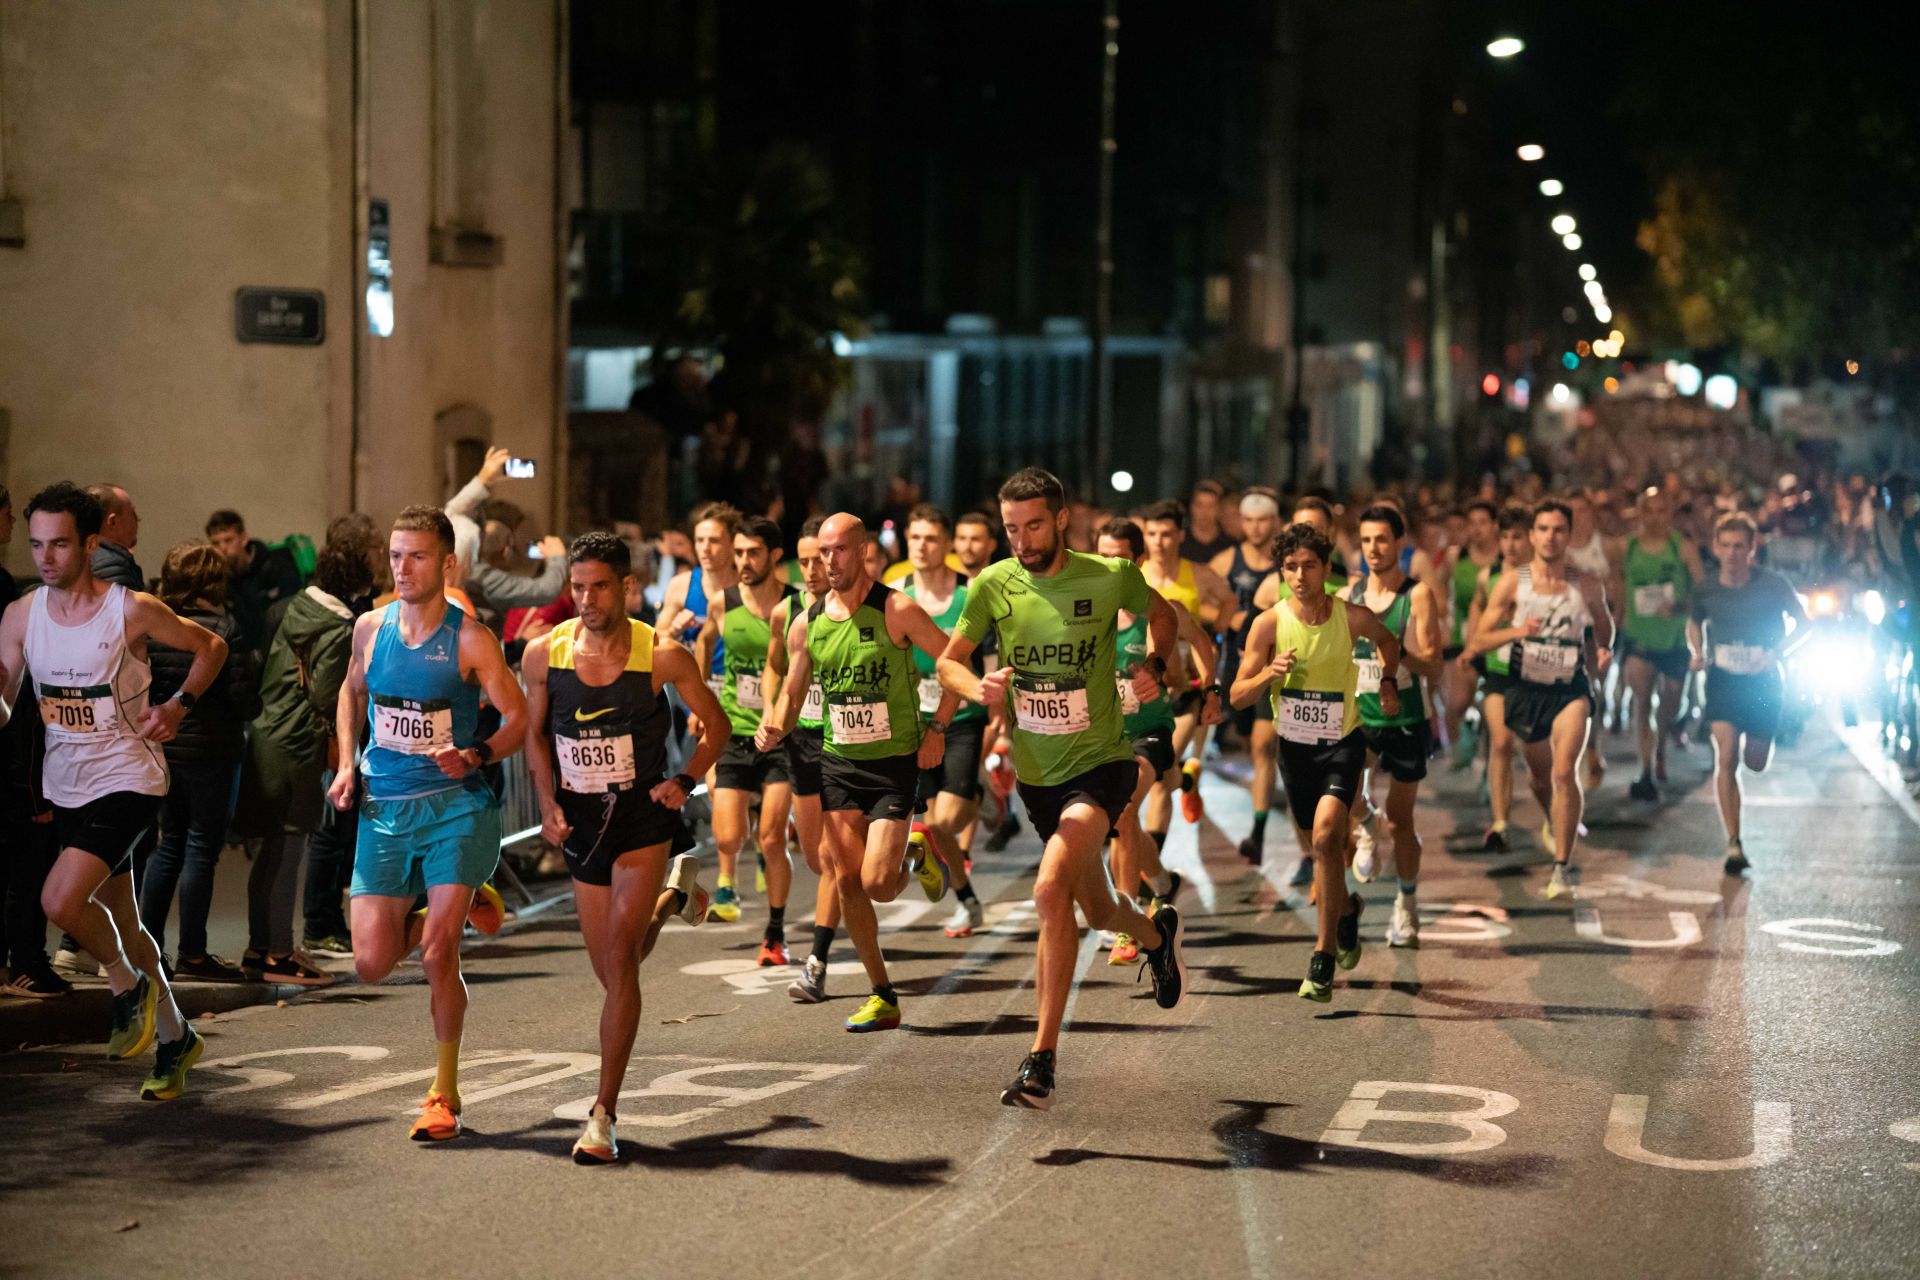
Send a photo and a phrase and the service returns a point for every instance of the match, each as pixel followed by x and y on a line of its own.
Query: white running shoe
pixel 1404 931
pixel 971 915
pixel 597 1145
pixel 1363 852
pixel 1107 938
pixel 811 986
pixel 684 875
pixel 1561 884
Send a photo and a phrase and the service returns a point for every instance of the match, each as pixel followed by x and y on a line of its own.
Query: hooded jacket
pixel 299 693
pixel 216 728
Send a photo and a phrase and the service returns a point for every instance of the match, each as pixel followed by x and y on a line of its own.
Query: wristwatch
pixel 483 749
pixel 185 699
pixel 934 726
pixel 686 781
pixel 1158 665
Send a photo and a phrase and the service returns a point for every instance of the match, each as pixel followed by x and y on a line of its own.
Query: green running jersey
pixel 872 704
pixel 746 639
pixel 1314 703
pixel 1466 580
pixel 1655 579
pixel 1413 698
pixel 1496 659
pixel 1130 649
pixel 1057 635
pixel 813 710
pixel 946 620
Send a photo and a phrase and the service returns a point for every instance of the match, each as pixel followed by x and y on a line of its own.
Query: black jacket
pixel 270 577
pixel 114 563
pixel 216 728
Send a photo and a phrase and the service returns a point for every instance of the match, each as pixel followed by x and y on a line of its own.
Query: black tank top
pixel 605 738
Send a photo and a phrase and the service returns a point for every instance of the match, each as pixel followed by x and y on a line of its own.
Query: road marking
pixel 1907 1131
pixel 1685 926
pixel 252 1078
pixel 1615 885
pixel 1864 743
pixel 1772 1137
pixel 1362 1108
pixel 1854 946
pixel 692 1083
pixel 560 1067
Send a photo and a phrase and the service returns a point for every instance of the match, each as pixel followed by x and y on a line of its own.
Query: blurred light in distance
pixel 1603 313
pixel 1572 240
pixel 1531 151
pixel 1122 482
pixel 1612 385
pixel 1551 186
pixel 1873 606
pixel 1505 46
pixel 1583 347
pixel 1615 338
pixel 1569 314
pixel 1722 391
pixel 1587 271
pixel 1684 377
pixel 1570 361
pixel 1561 393
pixel 1853 368
pixel 1563 223
pixel 1490 384
pixel 1519 393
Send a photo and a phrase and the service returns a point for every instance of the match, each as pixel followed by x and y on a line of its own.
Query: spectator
pixel 290 762
pixel 203 762
pixel 486 577
pixel 1206 538
pixel 27 844
pixel 262 576
pixel 120 533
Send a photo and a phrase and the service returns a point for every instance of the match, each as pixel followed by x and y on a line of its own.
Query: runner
pixel 1397 739
pixel 803 747
pixel 1590 551
pixel 85 643
pixel 1516 549
pixel 1554 616
pixel 429 824
pixel 738 626
pixel 1245 567
pixel 684 606
pixel 1208 600
pixel 1301 654
pixel 1470 560
pixel 1055 614
pixel 1135 854
pixel 1737 634
pixel 596 694
pixel 1659 568
pixel 856 637
pixel 950 792
pixel 974 545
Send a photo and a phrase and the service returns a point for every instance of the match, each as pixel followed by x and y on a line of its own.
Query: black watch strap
pixel 687 782
pixel 185 699
pixel 484 750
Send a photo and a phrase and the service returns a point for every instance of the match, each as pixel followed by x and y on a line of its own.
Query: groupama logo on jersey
pixel 1083 608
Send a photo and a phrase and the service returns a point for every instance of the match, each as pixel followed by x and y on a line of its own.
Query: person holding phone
pixel 485 565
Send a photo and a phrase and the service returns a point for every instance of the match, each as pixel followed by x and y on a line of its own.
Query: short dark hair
pixel 1125 531
pixel 1514 516
pixel 603 547
pixel 1168 510
pixel 764 530
pixel 194 571
pixel 1311 503
pixel 1486 505
pixel 717 511
pixel 421 518
pixel 1302 537
pixel 1033 482
pixel 1389 515
pixel 1213 487
pixel 976 517
pixel 1547 506
pixel 810 527
pixel 926 511
pixel 63 497
pixel 223 519
pixel 340 567
pixel 356 527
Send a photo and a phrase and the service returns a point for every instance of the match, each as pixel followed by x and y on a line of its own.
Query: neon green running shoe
pixel 877 1014
pixel 133 1014
pixel 726 905
pixel 170 1066
pixel 760 873
pixel 1317 986
pixel 927 864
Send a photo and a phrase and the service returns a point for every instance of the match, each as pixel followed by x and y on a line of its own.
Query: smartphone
pixel 533 551
pixel 520 468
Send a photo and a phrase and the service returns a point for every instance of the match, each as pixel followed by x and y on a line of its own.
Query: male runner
pixel 684 606
pixel 1209 601
pixel 1496 675
pixel 1591 551
pixel 1245 567
pixel 1301 652
pixel 1135 854
pixel 1055 614
pixel 85 643
pixel 803 748
pixel 856 639
pixel 950 792
pixel 975 545
pixel 429 822
pixel 1737 634
pixel 1658 570
pixel 596 696
pixel 1555 618
pixel 739 627
pixel 1469 560
pixel 1397 739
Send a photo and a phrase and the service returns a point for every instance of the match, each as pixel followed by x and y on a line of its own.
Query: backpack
pixel 301 548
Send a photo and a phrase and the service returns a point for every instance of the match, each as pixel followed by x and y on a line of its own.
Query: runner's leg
pixel 1329 844
pixel 776 803
pixel 846 846
pixel 1568 740
pixel 1073 853
pixel 1726 776
pixel 1500 753
pixel 385 931
pixel 618 923
pixel 1640 680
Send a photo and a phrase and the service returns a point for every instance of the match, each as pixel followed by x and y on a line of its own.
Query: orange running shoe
pixel 439 1120
pixel 772 952
pixel 489 910
pixel 1192 807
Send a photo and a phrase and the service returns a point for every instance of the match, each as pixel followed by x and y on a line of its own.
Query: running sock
pixel 822 942
pixel 776 924
pixel 168 1025
pixel 446 1070
pixel 965 892
pixel 1162 884
pixel 1159 839
pixel 1407 887
pixel 1259 826
pixel 120 975
pixel 726 882
pixel 888 994
pixel 1353 882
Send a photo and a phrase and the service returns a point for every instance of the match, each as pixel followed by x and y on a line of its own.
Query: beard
pixel 1040 557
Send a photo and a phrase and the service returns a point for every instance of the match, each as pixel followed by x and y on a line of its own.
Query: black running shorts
pixel 113 827
pixel 1108 787
pixel 804 749
pixel 744 767
pixel 1672 663
pixel 1532 708
pixel 608 824
pixel 1751 704
pixel 1401 749
pixel 880 789
pixel 959 769
pixel 1155 746
pixel 1310 770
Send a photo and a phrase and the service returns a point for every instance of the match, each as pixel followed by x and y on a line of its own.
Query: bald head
pixel 122 523
pixel 843 539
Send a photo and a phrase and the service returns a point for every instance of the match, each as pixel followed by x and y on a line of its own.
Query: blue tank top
pixel 697 603
pixel 417 703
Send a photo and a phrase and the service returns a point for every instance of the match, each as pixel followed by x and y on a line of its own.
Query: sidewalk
pixel 85 1015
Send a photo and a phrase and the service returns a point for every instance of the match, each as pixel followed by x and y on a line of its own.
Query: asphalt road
pixel 1676 1075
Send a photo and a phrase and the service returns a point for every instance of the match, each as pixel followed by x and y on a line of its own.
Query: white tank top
pixel 1557 655
pixel 92 693
pixel 1592 558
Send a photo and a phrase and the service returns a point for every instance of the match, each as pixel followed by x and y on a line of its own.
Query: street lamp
pixel 1572 240
pixel 1505 46
pixel 1563 224
pixel 1551 186
pixel 1531 151
pixel 1587 271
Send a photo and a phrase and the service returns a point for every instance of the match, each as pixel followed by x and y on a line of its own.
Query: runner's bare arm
pixel 1253 677
pixel 1603 625
pixel 779 720
pixel 1424 646
pixel 1492 630
pixel 482 658
pixel 773 674
pixel 1696 645
pixel 1163 637
pixel 1267 594
pixel 909 623
pixel 673 604
pixel 149 618
pixel 13 658
pixel 1218 604
pixel 676 666
pixel 709 633
pixel 352 711
pixel 533 674
pixel 956 672
pixel 1474 612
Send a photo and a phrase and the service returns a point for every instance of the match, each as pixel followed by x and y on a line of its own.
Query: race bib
pixel 858 717
pixel 1653 600
pixel 1548 661
pixel 1373 670
pixel 1051 707
pixel 1742 659
pixel 1129 699
pixel 412 726
pixel 1310 715
pixel 90 709
pixel 746 691
pixel 814 708
pixel 595 762
pixel 930 694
